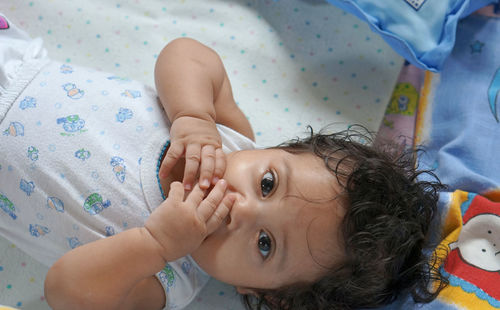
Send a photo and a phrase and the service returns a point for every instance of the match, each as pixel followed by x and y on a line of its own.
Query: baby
pixel 323 222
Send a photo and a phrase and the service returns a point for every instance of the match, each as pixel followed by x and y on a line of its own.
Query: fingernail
pixel 187 187
pixel 215 180
pixel 205 183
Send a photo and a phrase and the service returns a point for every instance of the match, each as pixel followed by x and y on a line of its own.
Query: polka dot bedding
pixel 292 64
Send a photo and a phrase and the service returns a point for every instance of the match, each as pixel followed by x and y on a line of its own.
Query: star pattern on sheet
pixel 476 47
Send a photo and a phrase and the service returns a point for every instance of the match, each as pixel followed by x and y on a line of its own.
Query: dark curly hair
pixel 385 228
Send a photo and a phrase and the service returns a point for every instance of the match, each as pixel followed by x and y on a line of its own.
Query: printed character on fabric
pixel 167 277
pixel 8 207
pixel 14 129
pixel 4 25
pixel 71 124
pixel 133 94
pixel 404 100
pixel 94 204
pixel 72 91
pixel 473 245
pixel 27 102
pixel 119 168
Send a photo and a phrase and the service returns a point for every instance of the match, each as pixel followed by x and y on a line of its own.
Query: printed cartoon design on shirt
pixel 72 91
pixel 129 93
pixel 7 206
pixel 74 242
pixel 65 69
pixel 38 230
pixel 119 168
pixel 494 94
pixel 4 25
pixel 186 267
pixel 15 129
pixel 32 153
pixel 123 115
pixel 404 100
pixel 82 154
pixel 94 204
pixel 473 263
pixel 119 79
pixel 55 203
pixel 27 102
pixel 110 231
pixel 27 187
pixel 71 124
pixel 167 277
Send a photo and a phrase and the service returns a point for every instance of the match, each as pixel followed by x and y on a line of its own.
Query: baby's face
pixel 284 225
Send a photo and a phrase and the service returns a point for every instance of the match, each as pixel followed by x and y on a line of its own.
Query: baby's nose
pixel 242 214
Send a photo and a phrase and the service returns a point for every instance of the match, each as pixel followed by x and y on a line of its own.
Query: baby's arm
pixel 101 274
pixel 118 272
pixel 195 91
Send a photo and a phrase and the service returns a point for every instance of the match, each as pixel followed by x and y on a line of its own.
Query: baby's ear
pixel 245 291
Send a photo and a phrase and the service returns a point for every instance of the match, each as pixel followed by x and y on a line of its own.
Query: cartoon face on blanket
pixel 474 260
pixel 479 242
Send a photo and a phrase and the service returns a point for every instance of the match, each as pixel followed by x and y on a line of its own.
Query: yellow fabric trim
pixel 457 296
pixel 423 103
pixel 454 217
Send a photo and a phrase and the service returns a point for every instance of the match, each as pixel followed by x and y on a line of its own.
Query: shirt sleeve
pixel 182 280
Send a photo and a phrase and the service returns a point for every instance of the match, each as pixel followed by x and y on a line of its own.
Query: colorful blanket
pixel 458 121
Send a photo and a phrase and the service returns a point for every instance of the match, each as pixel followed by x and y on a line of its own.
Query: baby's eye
pixel 267 183
pixel 264 244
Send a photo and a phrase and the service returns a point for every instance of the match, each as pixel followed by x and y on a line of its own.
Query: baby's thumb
pixel 176 191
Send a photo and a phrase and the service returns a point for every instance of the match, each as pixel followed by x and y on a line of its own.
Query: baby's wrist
pixel 204 116
pixel 155 249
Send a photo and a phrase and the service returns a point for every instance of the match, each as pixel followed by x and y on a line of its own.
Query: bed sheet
pixel 292 63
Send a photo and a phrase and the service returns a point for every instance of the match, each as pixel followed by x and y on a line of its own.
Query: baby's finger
pixel 176 191
pixel 207 166
pixel 220 165
pixel 220 214
pixel 173 154
pixel 208 206
pixel 195 197
pixel 192 164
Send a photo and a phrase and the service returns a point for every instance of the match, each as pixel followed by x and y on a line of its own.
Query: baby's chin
pixel 204 258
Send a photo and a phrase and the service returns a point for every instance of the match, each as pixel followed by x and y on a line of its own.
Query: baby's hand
pixel 200 143
pixel 180 226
